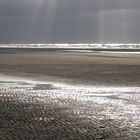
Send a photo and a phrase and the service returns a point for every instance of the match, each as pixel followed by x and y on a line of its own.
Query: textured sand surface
pixel 69 95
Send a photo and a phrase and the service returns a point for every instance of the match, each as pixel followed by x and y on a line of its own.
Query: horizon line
pixel 70 44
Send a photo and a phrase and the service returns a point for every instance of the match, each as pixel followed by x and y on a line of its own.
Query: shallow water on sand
pixel 45 110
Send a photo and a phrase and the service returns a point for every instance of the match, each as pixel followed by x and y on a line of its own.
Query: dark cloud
pixel 69 21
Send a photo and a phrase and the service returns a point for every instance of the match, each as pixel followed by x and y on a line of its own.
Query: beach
pixel 69 94
pixel 92 67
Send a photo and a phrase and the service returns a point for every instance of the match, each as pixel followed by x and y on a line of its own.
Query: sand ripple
pixel 45 110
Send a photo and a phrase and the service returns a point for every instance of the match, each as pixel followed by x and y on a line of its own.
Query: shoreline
pixel 67 49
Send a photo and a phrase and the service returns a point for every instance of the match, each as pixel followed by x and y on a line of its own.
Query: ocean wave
pixel 73 46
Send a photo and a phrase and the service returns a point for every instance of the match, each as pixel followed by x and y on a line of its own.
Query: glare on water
pixel 118 103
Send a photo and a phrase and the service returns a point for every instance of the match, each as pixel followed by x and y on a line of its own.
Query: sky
pixel 69 21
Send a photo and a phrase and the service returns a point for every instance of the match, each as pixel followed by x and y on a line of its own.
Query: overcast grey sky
pixel 69 21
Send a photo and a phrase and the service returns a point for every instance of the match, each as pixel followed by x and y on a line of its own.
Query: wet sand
pixel 95 67
pixel 98 98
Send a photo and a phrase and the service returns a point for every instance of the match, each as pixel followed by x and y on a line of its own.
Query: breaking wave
pixel 73 46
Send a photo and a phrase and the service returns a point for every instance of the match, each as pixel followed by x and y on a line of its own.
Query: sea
pixel 73 46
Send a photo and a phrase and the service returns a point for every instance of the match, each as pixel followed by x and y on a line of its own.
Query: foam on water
pixel 73 46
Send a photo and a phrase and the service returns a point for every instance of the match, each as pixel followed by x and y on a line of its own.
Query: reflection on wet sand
pixel 62 95
pixel 41 110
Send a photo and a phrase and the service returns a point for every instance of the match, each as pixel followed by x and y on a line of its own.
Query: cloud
pixel 69 21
